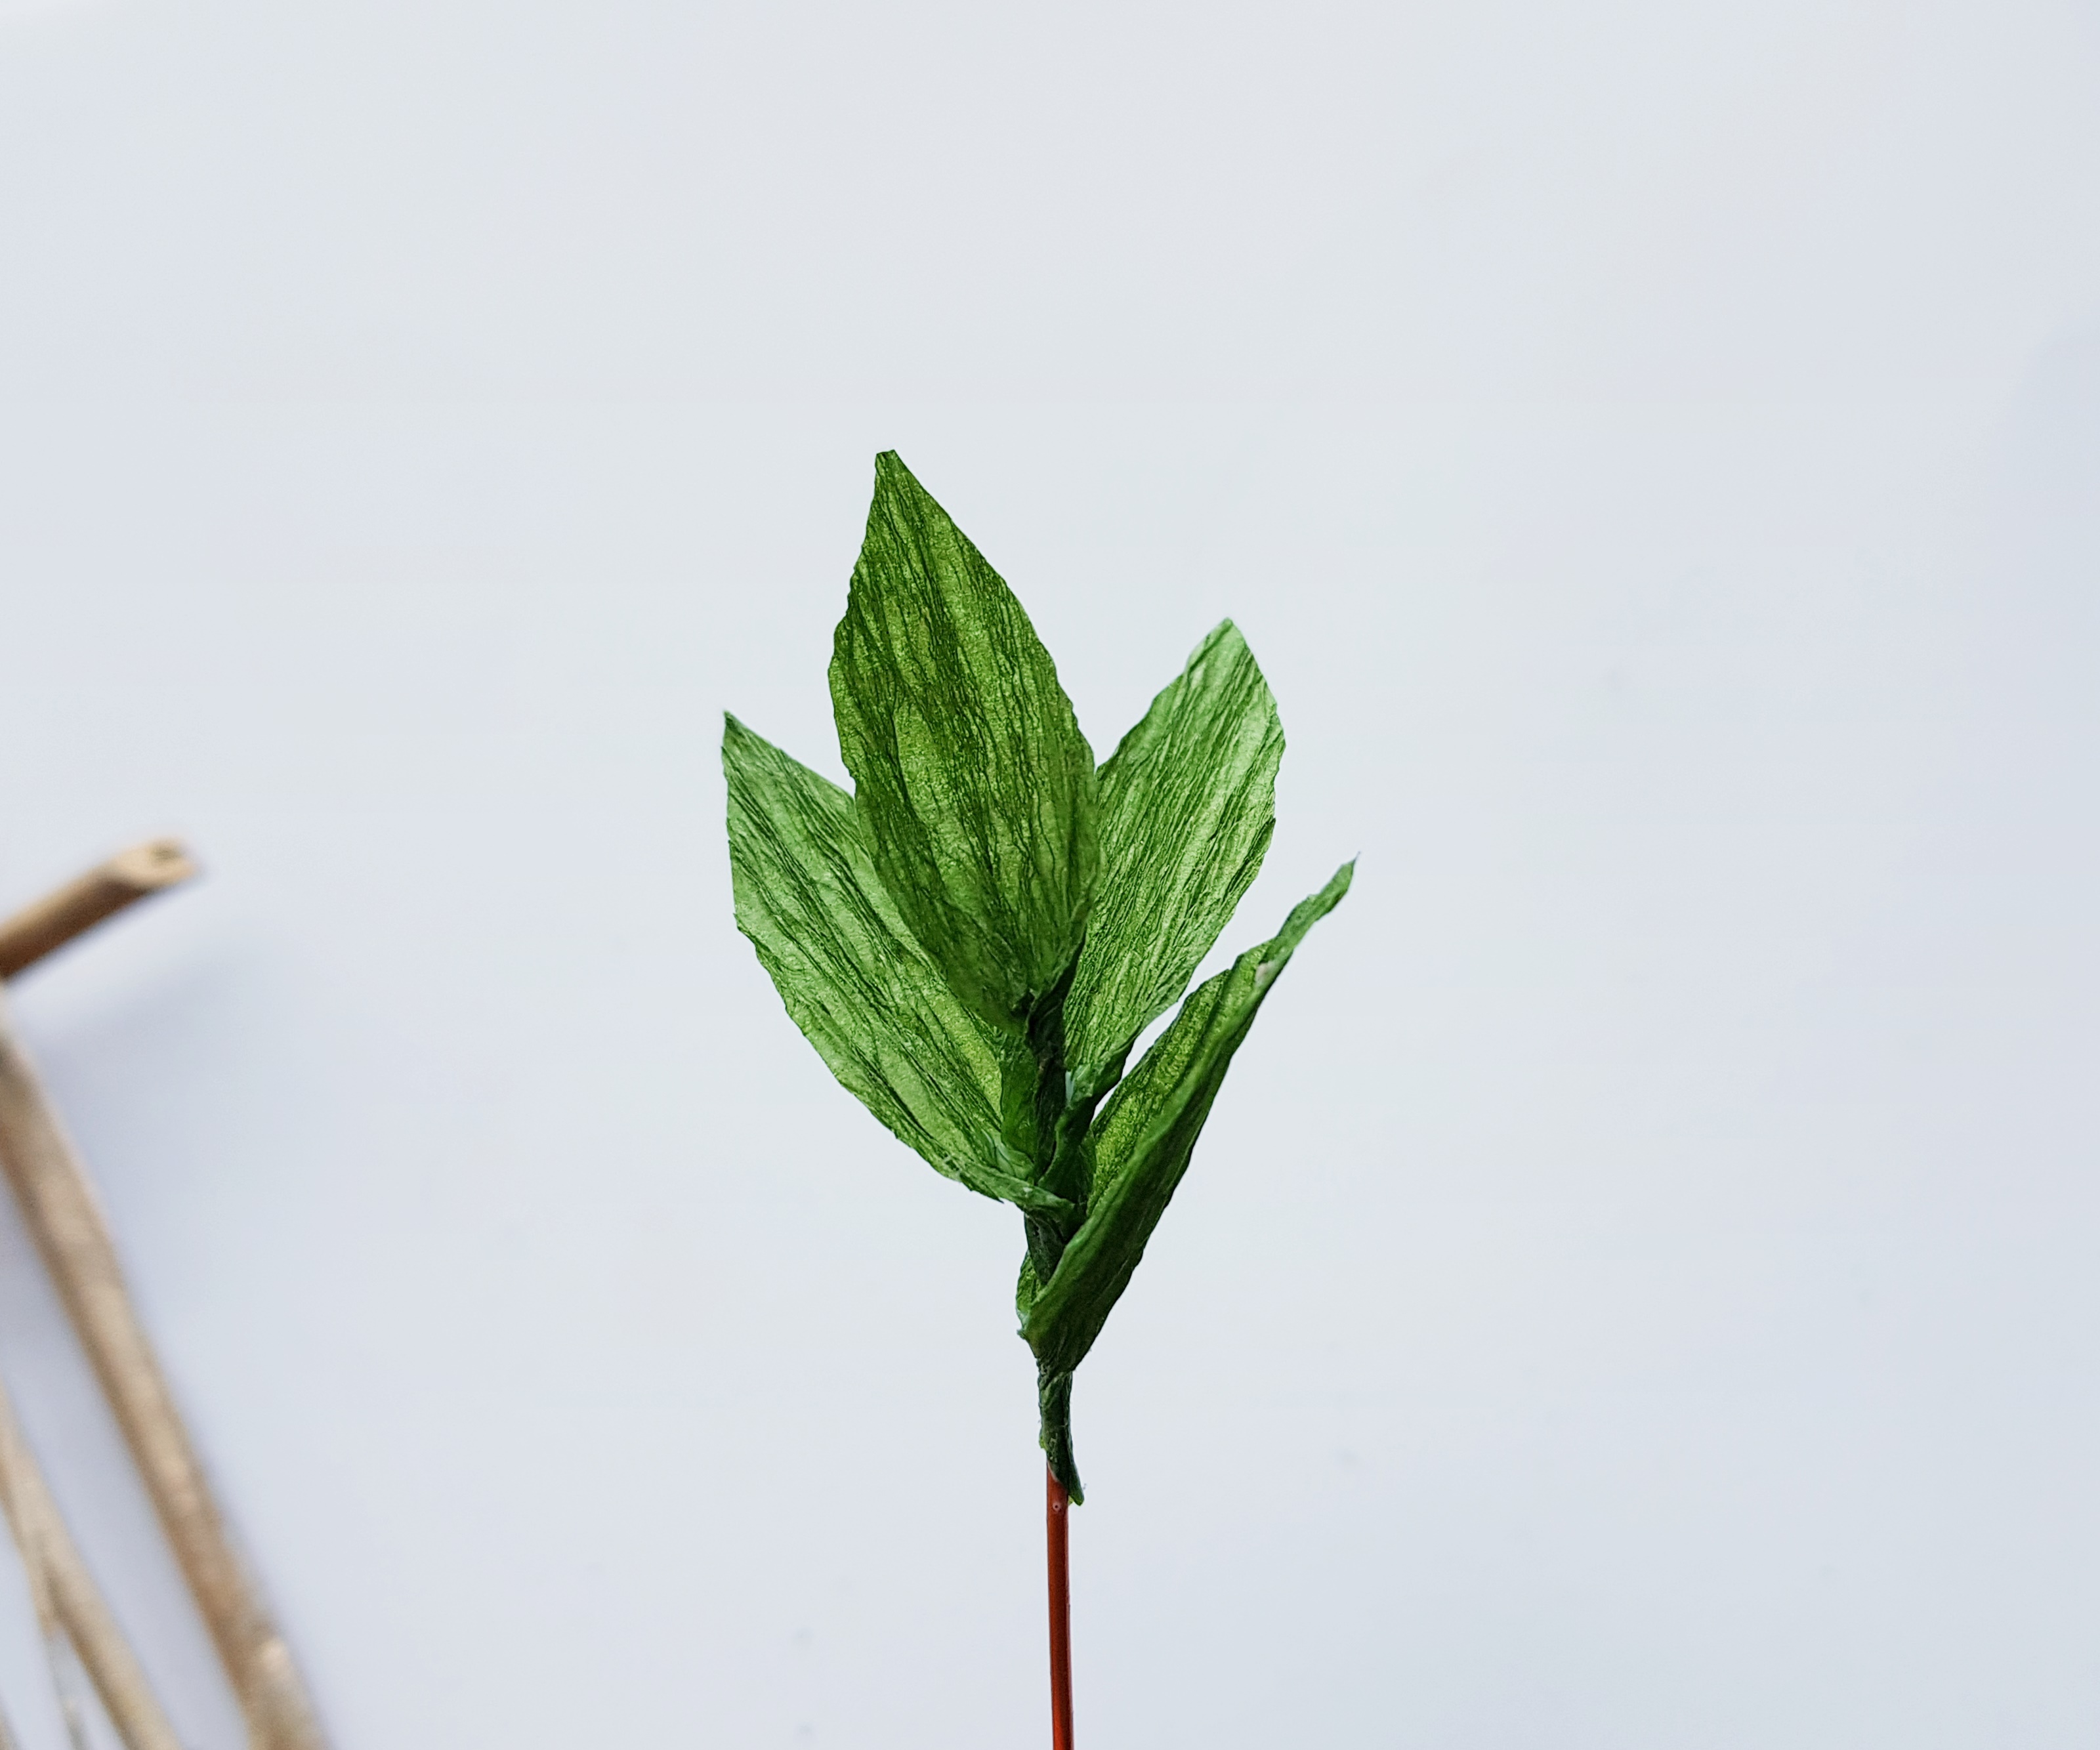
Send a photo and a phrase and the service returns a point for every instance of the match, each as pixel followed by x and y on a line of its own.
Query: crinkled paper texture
pixel 1187 807
pixel 975 788
pixel 1144 1135
pixel 851 975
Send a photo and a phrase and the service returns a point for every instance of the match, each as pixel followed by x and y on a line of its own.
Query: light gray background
pixel 1638 1289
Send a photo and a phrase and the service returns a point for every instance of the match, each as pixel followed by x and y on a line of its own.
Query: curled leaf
pixel 1144 1135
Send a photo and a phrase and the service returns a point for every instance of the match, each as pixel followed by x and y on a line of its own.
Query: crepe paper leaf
pixel 974 788
pixel 857 984
pixel 975 938
pixel 1143 1140
pixel 1187 805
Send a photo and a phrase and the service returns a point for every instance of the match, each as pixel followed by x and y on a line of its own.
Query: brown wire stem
pixel 1058 1524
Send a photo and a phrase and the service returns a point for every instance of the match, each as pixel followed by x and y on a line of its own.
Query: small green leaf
pixel 855 981
pixel 1188 806
pixel 976 791
pixel 1144 1135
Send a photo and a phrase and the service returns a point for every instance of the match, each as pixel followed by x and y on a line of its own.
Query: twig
pixel 84 902
pixel 1058 1521
pixel 66 1596
pixel 59 1208
pixel 36 1570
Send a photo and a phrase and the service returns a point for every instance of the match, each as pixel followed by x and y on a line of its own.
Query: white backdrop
pixel 1637 1290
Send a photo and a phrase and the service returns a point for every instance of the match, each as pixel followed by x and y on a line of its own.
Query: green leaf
pixel 1144 1135
pixel 1188 806
pixel 855 981
pixel 976 791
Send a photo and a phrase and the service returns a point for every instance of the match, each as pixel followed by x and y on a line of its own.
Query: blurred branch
pixel 66 1597
pixel 61 1211
pixel 84 902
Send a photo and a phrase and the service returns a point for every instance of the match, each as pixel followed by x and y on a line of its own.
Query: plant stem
pixel 1058 1519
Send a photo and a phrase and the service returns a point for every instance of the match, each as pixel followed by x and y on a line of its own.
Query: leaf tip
pixel 736 734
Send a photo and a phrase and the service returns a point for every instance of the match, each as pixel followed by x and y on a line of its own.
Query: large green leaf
pixel 1188 806
pixel 975 789
pixel 855 981
pixel 1144 1138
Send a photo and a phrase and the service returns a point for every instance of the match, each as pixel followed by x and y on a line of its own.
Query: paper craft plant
pixel 974 939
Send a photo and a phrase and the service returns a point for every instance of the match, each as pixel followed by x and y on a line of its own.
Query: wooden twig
pixel 63 1216
pixel 55 920
pixel 66 1596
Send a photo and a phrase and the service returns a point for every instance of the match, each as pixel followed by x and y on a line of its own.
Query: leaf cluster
pixel 976 937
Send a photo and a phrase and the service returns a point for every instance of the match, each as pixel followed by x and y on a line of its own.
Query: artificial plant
pixel 974 939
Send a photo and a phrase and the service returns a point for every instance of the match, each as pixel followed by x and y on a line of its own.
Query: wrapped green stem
pixel 1053 1395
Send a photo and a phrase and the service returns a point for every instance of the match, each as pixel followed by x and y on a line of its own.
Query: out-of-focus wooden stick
pixel 66 1594
pixel 55 920
pixel 61 1210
